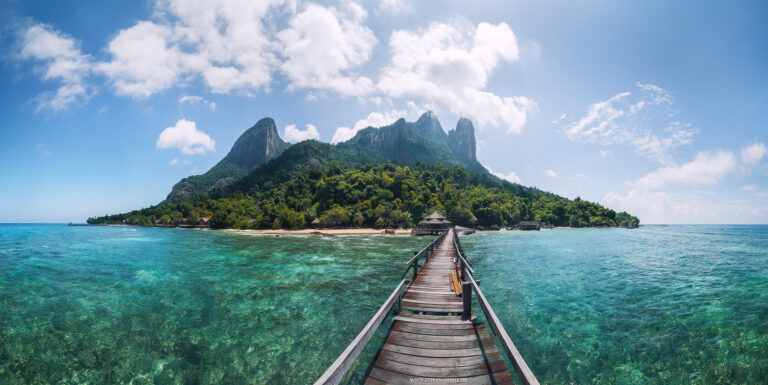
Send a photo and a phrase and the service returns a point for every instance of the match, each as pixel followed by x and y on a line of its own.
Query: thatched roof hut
pixel 434 222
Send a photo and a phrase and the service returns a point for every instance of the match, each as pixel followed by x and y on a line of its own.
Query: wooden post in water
pixel 466 294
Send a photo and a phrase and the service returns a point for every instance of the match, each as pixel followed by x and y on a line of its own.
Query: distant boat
pixel 78 224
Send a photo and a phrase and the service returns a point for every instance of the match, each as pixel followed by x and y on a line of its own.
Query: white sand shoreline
pixel 327 232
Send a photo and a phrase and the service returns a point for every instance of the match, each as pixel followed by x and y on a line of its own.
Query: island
pixel 386 177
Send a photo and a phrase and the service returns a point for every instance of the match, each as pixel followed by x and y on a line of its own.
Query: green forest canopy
pixel 382 196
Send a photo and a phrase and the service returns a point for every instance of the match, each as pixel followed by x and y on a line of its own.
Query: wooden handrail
pixel 460 255
pixel 341 366
pixel 524 373
pixel 420 253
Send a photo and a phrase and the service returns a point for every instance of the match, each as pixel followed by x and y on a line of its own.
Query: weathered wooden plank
pixel 459 325
pixel 455 283
pixel 438 291
pixel 431 371
pixel 437 279
pixel 373 381
pixel 432 309
pixel 441 282
pixel 402 379
pixel 432 296
pixel 441 288
pixel 427 327
pixel 439 305
pixel 435 320
pixel 493 356
pixel 432 303
pixel 426 316
pixel 435 345
pixel 432 337
pixel 447 298
pixel 418 328
pixel 494 366
pixel 432 352
pixel 502 376
pixel 439 362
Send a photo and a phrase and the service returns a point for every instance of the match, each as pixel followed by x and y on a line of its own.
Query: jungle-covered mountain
pixel 390 176
pixel 257 145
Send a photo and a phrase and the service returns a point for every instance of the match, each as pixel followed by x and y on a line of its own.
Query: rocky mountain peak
pixel 257 145
pixel 254 147
pixel 429 127
pixel 462 140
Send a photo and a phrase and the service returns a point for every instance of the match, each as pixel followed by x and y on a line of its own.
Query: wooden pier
pixel 435 337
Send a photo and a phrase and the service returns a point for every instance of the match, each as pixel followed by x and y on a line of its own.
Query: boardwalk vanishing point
pixel 435 337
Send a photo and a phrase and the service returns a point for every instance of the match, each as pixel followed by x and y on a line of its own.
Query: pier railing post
pixel 415 266
pixel 466 294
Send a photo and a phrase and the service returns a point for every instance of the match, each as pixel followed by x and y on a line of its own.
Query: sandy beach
pixel 331 232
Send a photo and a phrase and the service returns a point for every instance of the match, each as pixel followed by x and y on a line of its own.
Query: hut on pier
pixel 433 224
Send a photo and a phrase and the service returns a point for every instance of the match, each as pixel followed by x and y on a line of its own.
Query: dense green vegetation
pixel 341 193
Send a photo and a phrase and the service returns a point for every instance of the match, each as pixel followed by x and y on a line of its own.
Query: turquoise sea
pixel 119 305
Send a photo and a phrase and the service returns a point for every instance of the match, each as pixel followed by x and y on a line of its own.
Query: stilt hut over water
pixel 433 224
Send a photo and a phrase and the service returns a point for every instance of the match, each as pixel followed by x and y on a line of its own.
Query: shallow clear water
pixel 673 305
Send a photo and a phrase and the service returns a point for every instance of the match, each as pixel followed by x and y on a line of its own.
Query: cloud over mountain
pixel 248 48
pixel 451 65
pixel 186 137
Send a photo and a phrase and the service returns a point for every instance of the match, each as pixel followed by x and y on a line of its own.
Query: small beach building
pixel 433 224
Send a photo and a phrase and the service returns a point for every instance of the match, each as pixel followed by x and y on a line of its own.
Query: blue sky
pixel 654 107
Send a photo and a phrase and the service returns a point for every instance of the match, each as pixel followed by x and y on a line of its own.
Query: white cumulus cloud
pixel 451 65
pixel 705 168
pixel 550 173
pixel 197 99
pixel 186 137
pixel 62 60
pixel 395 7
pixel 322 44
pixel 752 154
pixel 144 60
pixel 223 41
pixel 634 120
pixel 294 135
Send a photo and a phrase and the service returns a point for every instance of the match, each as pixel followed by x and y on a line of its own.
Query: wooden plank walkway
pixel 428 342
